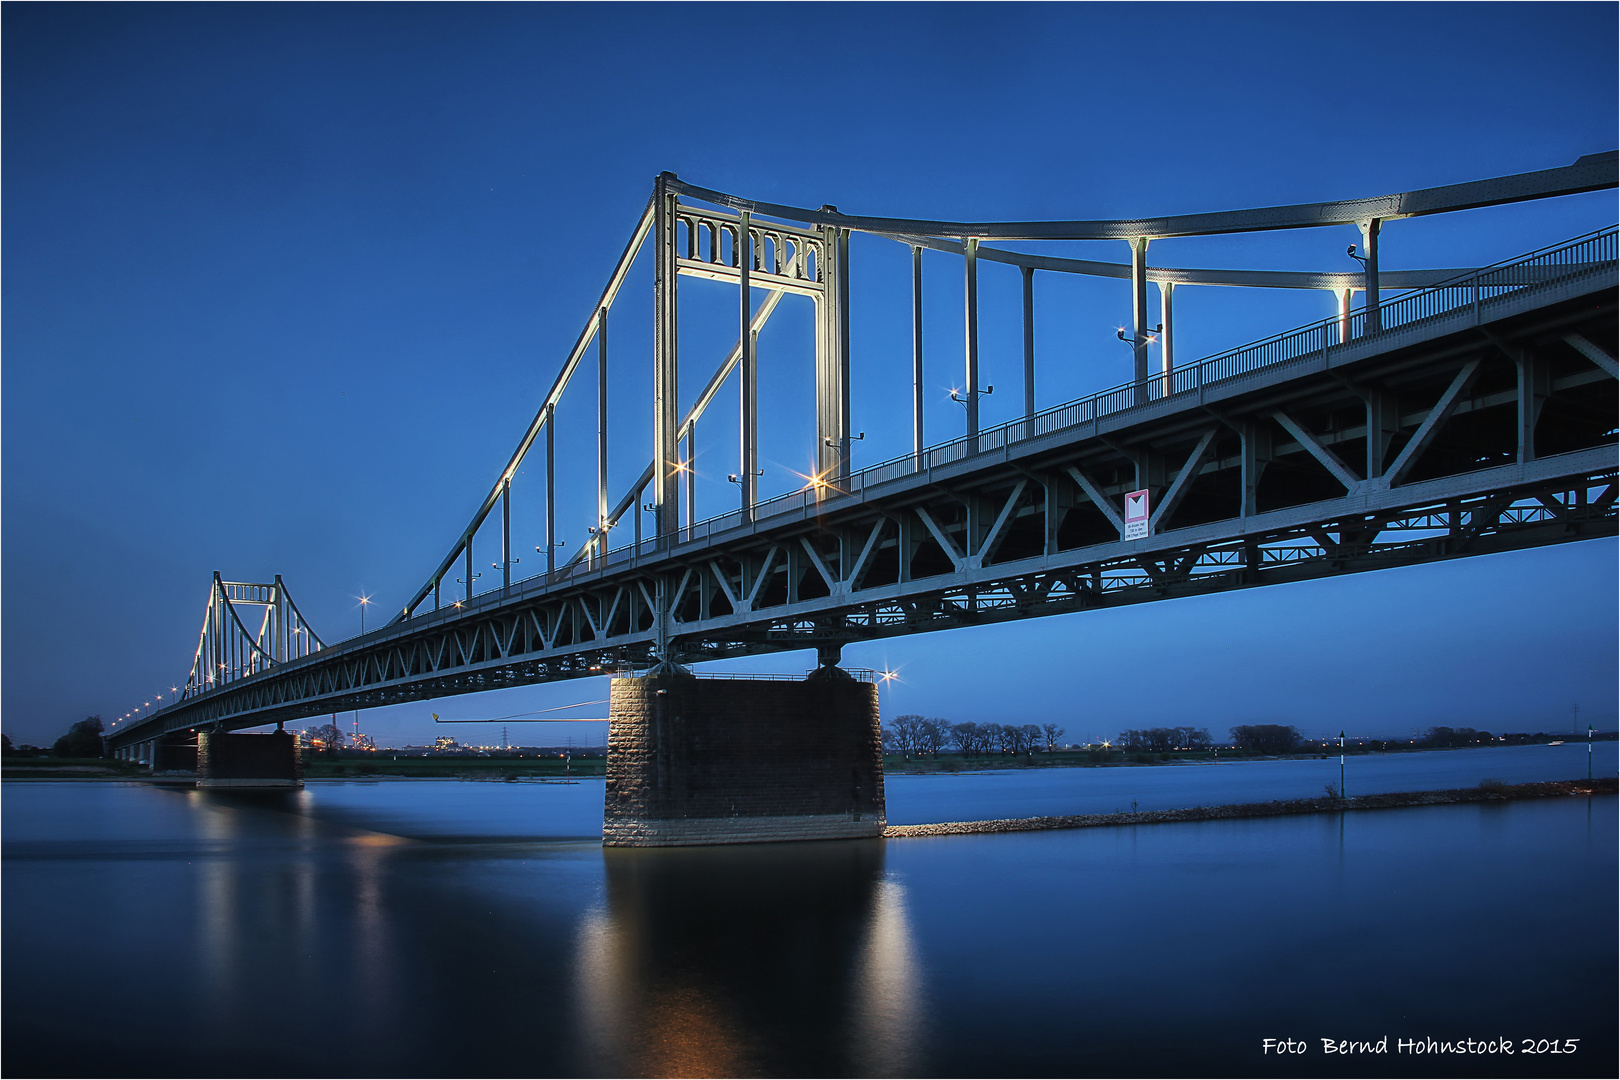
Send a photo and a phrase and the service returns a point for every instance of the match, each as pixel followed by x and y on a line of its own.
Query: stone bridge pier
pixel 267 760
pixel 735 760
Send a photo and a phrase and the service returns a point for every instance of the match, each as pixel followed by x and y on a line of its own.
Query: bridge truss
pixel 1474 414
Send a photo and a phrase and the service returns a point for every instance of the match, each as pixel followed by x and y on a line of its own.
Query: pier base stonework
pixel 249 761
pixel 722 761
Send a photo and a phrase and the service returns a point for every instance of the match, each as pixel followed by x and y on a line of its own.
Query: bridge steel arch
pixel 1474 414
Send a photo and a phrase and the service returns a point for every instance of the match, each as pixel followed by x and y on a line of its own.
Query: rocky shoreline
pixel 1484 793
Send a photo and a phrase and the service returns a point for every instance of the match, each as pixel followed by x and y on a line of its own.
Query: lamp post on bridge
pixel 1372 322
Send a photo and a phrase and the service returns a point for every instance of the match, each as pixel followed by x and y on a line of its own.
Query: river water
pixel 459 928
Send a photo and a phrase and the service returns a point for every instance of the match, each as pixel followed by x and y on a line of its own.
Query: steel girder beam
pixel 590 631
pixel 1593 172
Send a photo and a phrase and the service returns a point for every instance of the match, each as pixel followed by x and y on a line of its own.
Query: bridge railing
pixel 1592 255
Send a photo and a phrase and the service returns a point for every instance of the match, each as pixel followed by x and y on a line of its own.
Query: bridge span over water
pixel 1451 413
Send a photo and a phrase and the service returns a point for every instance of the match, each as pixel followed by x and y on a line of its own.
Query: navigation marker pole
pixel 1341 764
pixel 1589 751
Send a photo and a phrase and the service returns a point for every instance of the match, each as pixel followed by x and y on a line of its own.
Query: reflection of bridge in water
pixel 1473 413
pixel 788 961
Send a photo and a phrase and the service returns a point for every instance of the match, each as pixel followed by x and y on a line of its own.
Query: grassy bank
pixel 1488 791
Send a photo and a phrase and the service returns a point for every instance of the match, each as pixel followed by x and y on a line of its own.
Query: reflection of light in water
pixel 303 882
pixel 367 854
pixel 630 1027
pixel 752 961
pixel 216 901
pixel 598 981
pixel 886 995
pixel 685 1034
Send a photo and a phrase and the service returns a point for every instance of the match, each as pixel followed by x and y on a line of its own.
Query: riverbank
pixel 951 762
pixel 1486 792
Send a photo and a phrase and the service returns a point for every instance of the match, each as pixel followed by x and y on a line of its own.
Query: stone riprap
pixel 1266 809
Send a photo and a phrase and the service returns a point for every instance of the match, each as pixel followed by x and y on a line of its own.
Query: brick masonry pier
pixel 736 761
pixel 249 761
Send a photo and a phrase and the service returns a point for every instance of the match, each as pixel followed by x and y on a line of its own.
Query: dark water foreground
pixel 342 932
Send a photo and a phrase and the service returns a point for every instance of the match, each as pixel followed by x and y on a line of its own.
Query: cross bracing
pixel 232 647
pixel 1475 415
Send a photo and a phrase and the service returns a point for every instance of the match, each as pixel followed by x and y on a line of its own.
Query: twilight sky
pixel 284 284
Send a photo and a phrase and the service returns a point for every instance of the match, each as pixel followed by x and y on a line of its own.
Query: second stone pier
pixel 736 760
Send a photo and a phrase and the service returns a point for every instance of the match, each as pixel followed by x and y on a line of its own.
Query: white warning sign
pixel 1136 514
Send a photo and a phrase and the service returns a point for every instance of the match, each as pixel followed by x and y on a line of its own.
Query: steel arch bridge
pixel 1453 412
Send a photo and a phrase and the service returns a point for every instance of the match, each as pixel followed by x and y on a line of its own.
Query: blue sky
pixel 284 284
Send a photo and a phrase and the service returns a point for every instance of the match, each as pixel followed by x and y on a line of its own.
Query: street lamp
pixel 364 600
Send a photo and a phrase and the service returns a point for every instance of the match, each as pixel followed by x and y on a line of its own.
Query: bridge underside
pixel 1464 435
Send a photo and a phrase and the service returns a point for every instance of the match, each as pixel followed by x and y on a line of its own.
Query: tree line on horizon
pixel 926 736
pixel 914 735
pixel 82 740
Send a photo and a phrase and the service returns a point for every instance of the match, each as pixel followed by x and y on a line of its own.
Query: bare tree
pixel 325 737
pixel 1052 733
pixel 932 735
pixel 1191 738
pixel 1008 737
pixel 967 738
pixel 903 734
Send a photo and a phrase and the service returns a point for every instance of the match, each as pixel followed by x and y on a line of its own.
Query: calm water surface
pixel 452 928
